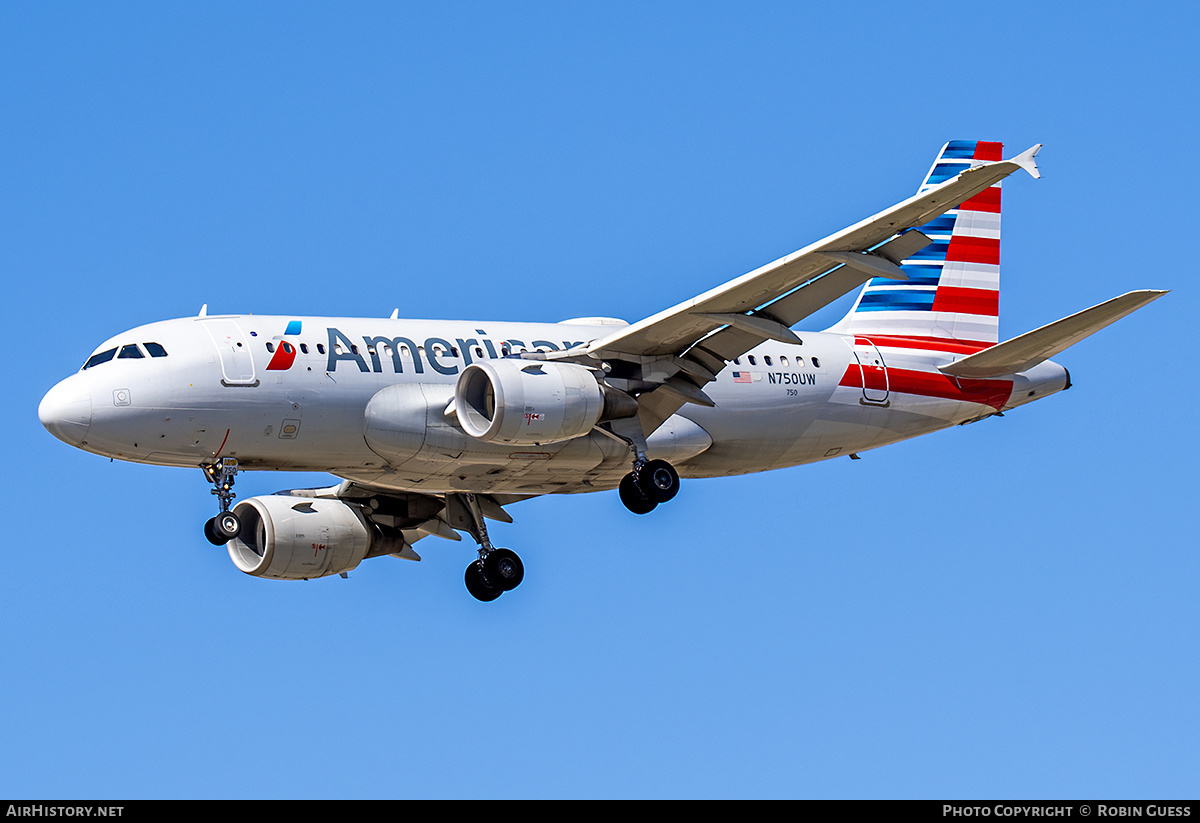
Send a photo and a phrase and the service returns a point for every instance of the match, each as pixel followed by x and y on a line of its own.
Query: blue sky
pixel 1003 610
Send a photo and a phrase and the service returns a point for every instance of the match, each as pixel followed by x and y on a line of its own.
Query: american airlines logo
pixel 285 355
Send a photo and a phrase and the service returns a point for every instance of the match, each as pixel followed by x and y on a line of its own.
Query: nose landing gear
pixel 225 526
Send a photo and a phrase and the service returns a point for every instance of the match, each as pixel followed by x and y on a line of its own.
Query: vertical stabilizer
pixel 953 289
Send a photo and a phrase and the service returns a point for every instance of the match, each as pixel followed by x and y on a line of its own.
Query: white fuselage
pixel 281 393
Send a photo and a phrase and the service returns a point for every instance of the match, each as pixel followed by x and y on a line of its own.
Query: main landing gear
pixel 225 526
pixel 493 574
pixel 651 482
pixel 497 570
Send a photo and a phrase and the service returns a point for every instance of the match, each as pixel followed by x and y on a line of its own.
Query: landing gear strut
pixel 497 570
pixel 652 481
pixel 225 526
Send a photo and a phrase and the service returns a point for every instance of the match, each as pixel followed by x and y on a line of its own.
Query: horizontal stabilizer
pixel 1031 348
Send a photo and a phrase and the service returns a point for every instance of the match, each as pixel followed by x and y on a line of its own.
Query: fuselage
pixel 295 394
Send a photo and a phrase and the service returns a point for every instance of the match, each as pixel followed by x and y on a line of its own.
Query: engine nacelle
pixel 525 402
pixel 298 538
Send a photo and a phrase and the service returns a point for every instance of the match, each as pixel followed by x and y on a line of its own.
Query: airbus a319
pixel 435 427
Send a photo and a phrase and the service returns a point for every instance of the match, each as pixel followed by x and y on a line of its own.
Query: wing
pixel 679 350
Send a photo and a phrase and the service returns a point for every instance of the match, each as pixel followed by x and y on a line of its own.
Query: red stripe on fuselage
pixel 994 393
pixel 928 343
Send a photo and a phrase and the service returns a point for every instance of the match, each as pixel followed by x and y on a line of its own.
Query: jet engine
pixel 526 402
pixel 299 538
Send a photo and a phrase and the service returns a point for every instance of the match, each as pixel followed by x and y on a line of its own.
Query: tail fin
pixel 953 289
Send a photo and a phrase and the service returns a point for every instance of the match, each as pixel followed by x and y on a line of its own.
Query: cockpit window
pixel 100 357
pixel 155 350
pixel 130 352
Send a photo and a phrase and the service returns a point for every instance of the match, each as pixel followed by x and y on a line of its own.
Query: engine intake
pixel 527 402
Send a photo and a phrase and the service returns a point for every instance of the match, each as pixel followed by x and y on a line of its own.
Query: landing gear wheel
pixel 211 533
pixel 658 481
pixel 479 586
pixel 503 568
pixel 226 526
pixel 633 497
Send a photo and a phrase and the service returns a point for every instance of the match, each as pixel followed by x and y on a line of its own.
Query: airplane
pixel 435 427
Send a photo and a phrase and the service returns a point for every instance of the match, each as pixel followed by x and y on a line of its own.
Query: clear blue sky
pixel 1008 609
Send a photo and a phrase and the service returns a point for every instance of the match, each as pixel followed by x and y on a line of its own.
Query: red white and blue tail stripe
pixel 952 295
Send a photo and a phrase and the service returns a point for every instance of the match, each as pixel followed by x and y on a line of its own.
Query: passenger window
pixel 737 361
pixel 816 363
pixel 155 350
pixel 100 357
pixel 304 348
pixel 271 347
pixel 130 352
pixel 320 348
pixel 767 359
pixel 783 360
pixel 753 362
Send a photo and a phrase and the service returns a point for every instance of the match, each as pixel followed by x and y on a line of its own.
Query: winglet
pixel 1025 160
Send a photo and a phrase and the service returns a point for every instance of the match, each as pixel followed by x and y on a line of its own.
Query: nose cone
pixel 66 410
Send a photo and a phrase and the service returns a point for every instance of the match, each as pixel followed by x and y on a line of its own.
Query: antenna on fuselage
pixel 395 314
pixel 203 311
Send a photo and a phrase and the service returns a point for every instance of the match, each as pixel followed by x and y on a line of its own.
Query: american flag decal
pixel 741 377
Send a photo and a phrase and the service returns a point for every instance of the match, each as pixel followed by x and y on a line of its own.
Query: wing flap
pixel 1031 348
